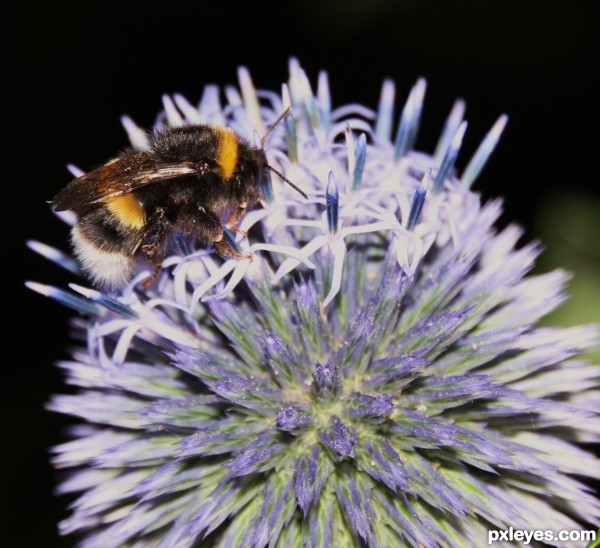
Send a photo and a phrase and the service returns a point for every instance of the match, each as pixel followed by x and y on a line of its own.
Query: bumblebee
pixel 194 179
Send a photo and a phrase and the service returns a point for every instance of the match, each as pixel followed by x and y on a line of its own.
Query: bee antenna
pixel 284 178
pixel 262 142
pixel 274 125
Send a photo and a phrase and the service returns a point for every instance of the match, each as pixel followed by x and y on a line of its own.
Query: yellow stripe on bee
pixel 127 210
pixel 228 152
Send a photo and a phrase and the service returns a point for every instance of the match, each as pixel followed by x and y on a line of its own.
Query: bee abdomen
pixel 127 210
pixel 109 269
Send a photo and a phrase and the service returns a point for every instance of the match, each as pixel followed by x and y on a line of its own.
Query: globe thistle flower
pixel 372 375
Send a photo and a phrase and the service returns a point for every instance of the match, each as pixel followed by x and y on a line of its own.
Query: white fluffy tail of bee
pixel 109 270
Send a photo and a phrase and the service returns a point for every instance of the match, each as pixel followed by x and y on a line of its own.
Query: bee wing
pixel 117 177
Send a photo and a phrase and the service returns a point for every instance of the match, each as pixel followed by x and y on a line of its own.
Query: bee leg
pixel 210 229
pixel 223 248
pixel 153 277
pixel 235 217
pixel 153 243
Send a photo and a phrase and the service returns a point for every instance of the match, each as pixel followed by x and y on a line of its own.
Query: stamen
pixel 295 87
pixel 272 127
pixel 230 238
pixel 69 217
pixel 55 255
pixel 300 86
pixel 182 243
pixel 309 103
pixel 350 148
pixel 487 146
pixel 266 186
pixel 409 121
pixel 324 99
pixel 385 111
pixel 83 306
pixel 450 127
pixel 190 112
pixel 418 201
pixel 289 123
pixel 250 99
pixel 449 159
pixel 285 96
pixel 361 156
pixel 75 171
pixel 136 135
pixel 209 108
pixel 332 202
pixel 105 300
pixel 234 102
pixel 174 117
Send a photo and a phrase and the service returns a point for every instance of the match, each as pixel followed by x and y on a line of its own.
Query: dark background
pixel 74 67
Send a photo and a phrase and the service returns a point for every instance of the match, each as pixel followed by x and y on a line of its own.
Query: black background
pixel 74 67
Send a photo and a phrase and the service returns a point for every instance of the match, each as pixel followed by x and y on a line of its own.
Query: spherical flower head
pixel 370 374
